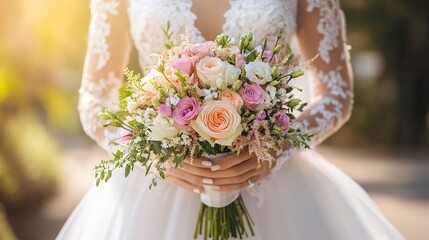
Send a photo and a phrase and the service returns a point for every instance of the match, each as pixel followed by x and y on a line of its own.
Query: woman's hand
pixel 233 172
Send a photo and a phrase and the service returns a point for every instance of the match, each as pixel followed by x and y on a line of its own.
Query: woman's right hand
pixel 192 175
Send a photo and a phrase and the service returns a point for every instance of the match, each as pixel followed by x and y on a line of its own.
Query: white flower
pixel 272 91
pixel 205 92
pixel 209 69
pixel 162 128
pixel 231 73
pixel 258 72
pixel 173 99
pixel 258 49
pixel 211 95
pixel 282 92
pixel 139 119
pixel 221 84
pixel 131 105
pixel 186 140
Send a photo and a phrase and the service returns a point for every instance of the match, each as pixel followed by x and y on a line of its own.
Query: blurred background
pixel 46 160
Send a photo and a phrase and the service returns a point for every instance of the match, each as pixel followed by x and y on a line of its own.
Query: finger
pixel 237 170
pixel 236 180
pixel 202 172
pixel 231 161
pixel 191 178
pixel 201 162
pixel 241 185
pixel 185 184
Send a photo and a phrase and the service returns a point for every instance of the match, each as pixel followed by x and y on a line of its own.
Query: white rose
pixel 258 72
pixel 231 73
pixel 162 128
pixel 209 69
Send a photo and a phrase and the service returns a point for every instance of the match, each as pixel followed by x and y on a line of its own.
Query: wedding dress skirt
pixel 308 198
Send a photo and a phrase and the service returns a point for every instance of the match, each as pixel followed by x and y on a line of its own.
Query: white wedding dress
pixel 306 198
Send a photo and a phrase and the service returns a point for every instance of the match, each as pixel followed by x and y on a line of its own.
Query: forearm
pixel 107 55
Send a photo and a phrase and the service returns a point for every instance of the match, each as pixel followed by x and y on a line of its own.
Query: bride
pixel 302 197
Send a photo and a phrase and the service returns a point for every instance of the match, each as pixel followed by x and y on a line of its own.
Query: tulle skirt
pixel 308 198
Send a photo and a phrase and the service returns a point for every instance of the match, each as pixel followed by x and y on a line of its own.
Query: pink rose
pixel 283 120
pixel 253 95
pixel 186 110
pixel 164 110
pixel 183 64
pixel 240 60
pixel 126 136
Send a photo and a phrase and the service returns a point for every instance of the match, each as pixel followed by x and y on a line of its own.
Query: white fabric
pixel 305 197
pixel 213 198
pixel 309 199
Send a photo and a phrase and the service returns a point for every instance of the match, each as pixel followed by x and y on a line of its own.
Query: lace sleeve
pixel 320 30
pixel 107 55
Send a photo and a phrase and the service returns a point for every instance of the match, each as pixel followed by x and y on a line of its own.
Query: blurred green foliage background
pixel 42 47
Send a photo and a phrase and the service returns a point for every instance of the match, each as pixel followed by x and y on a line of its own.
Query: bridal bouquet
pixel 207 99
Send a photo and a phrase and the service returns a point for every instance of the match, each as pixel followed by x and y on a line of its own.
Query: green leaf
pixel 127 170
pixel 162 174
pixel 156 147
pixel 208 148
pixel 148 168
pixel 252 56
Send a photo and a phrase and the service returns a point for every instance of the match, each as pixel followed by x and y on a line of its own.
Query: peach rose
pixel 218 122
pixel 231 96
pixel 209 69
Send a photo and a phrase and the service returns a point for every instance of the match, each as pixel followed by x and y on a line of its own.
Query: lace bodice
pixel 318 25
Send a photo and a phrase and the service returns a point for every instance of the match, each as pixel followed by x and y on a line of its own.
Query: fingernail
pixel 215 167
pixel 206 163
pixel 197 191
pixel 207 180
pixel 213 187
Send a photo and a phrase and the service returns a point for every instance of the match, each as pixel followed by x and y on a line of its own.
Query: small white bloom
pixel 162 128
pixel 272 91
pixel 173 99
pixel 282 91
pixel 258 72
pixel 205 92
pixel 139 119
pixel 258 49
pixel 131 105
pixel 221 84
pixel 231 73
pixel 212 95
pixel 186 140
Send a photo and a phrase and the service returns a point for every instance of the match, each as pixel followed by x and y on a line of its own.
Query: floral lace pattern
pixel 94 96
pixel 148 16
pixel 329 25
pixel 267 17
pixel 99 29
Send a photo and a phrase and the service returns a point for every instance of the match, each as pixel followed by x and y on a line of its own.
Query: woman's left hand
pixel 235 172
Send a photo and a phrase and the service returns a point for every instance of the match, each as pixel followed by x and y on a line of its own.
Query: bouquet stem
pixel 223 223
